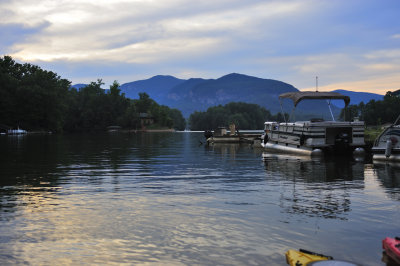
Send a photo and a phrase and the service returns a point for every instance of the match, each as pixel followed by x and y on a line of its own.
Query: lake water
pixel 165 199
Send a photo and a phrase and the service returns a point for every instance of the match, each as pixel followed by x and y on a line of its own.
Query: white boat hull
pixel 313 138
pixel 379 155
pixel 387 145
pixel 287 149
pixel 382 157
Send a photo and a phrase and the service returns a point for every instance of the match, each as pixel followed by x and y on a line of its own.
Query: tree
pixel 143 105
pixel 31 97
pixel 35 99
pixel 244 115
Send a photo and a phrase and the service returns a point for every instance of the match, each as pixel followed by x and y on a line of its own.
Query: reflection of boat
pixel 387 144
pixel 314 136
pixel 389 176
pixel 314 187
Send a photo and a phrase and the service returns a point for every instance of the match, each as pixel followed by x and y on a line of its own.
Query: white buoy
pixel 317 152
pixel 388 149
pixel 359 151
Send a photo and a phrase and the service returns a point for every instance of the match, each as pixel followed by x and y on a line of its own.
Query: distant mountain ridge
pixel 78 86
pixel 156 87
pixel 197 94
pixel 358 97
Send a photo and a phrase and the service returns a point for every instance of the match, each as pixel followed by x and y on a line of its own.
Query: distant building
pixel 145 120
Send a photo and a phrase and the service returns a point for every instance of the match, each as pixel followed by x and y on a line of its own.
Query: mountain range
pixel 197 94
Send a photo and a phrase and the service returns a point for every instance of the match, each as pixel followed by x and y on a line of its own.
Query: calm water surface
pixel 164 199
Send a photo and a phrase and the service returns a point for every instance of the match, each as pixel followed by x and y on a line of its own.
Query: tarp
pixel 298 96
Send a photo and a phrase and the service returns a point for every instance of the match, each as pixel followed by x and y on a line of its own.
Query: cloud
pixel 379 85
pixel 147 32
pixel 293 41
pixel 14 33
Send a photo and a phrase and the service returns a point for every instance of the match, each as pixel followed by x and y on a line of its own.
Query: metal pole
pixel 330 109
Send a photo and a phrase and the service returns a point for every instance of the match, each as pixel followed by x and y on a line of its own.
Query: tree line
pixel 375 112
pixel 36 99
pixel 253 116
pixel 243 115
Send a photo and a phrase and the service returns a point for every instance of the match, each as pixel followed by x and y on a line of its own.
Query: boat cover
pixel 298 96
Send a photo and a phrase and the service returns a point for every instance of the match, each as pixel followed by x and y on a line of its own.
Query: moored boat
pixel 222 136
pixel 387 144
pixel 307 258
pixel 17 131
pixel 303 257
pixel 315 136
pixel 392 248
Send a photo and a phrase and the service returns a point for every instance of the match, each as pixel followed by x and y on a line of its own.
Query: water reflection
pixel 232 149
pixel 315 187
pixel 389 176
pixel 165 199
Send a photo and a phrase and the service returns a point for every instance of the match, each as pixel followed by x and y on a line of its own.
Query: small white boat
pixel 17 131
pixel 387 144
pixel 317 136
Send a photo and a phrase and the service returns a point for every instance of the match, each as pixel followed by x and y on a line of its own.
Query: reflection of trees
pixel 389 176
pixel 39 162
pixel 315 187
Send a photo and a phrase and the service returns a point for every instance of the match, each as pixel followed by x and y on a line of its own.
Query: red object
pixel 392 248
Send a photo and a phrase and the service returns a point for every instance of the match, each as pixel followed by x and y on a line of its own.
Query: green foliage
pixel 244 115
pixel 163 115
pixel 35 99
pixel 375 112
pixel 177 118
pixel 31 97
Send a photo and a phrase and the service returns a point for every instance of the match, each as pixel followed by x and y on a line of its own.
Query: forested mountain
pixel 156 87
pixel 198 94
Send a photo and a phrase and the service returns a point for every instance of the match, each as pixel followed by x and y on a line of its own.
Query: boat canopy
pixel 298 96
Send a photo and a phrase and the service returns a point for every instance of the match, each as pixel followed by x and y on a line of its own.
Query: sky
pixel 349 44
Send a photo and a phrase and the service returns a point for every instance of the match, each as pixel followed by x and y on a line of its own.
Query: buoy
pixel 317 152
pixel 359 151
pixel 388 149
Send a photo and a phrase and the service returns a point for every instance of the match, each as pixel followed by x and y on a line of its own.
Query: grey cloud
pixel 14 33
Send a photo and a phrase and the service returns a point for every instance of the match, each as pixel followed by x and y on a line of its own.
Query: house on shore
pixel 145 120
